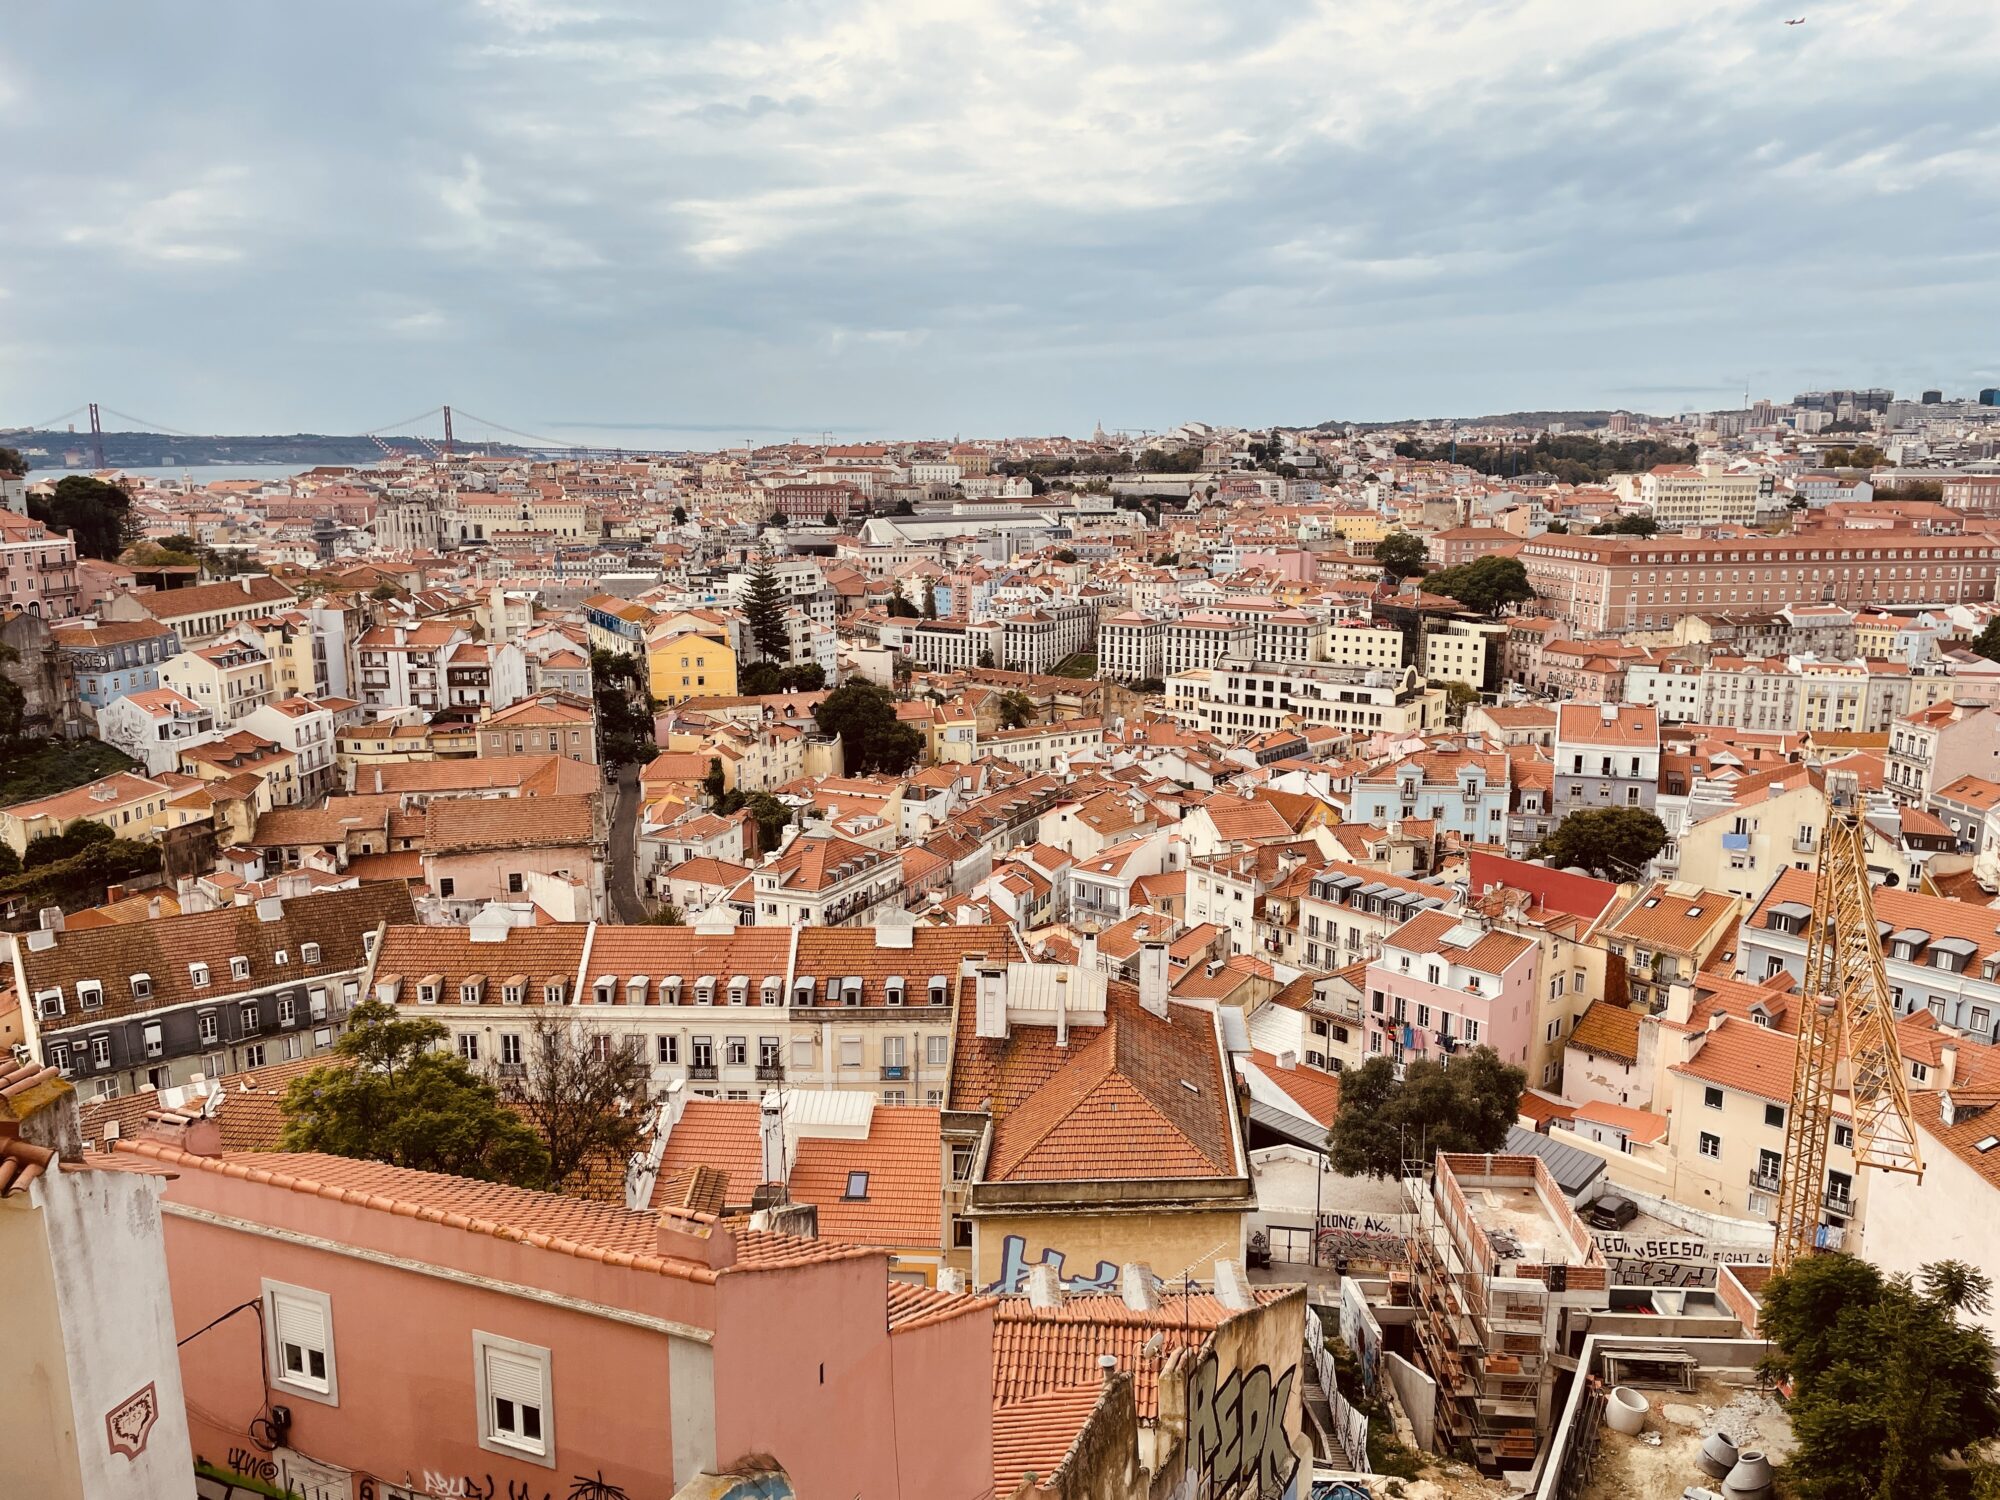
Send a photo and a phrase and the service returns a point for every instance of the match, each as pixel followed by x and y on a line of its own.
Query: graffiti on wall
pixel 1628 1270
pixel 1014 1267
pixel 1237 1425
pixel 434 1485
pixel 1691 1249
pixel 1374 1237
pixel 128 1424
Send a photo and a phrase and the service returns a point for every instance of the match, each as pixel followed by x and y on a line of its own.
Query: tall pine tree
pixel 764 612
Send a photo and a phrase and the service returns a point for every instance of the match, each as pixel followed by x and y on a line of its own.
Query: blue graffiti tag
pixel 1014 1266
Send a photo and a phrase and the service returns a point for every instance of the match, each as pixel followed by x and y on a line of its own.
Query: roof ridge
pixel 427 1213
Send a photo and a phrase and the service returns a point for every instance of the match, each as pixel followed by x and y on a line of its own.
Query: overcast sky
pixel 988 217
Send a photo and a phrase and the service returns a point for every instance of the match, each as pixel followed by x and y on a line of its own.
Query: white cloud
pixel 203 223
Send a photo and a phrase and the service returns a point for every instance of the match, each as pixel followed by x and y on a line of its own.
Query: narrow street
pixel 622 879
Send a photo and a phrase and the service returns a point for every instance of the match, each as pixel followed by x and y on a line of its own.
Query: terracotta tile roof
pixel 1662 917
pixel 162 950
pixel 1744 1056
pixel 1039 1349
pixel 548 1221
pixel 115 790
pixel 903 1205
pixel 721 1135
pixel 814 864
pixel 1137 1097
pixel 454 825
pixel 1901 909
pixel 538 774
pixel 1962 1139
pixel 1491 952
pixel 914 1306
pixel 1317 1093
pixel 212 598
pixel 1035 1435
pixel 1584 724
pixel 1608 1030
pixel 1542 1108
pixel 1640 1124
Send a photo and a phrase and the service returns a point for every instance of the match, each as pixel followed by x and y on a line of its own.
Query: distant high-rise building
pixel 1932 398
pixel 1989 397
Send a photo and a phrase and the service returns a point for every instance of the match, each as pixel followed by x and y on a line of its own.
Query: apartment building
pixel 1442 982
pixel 203 611
pixel 1940 956
pixel 1040 748
pixel 1347 910
pixel 827 882
pixel 110 658
pixel 1465 792
pixel 403 666
pixel 1199 640
pixel 1466 651
pixel 129 805
pixel 229 677
pixel 150 1004
pixel 1700 494
pixel 734 1014
pixel 1244 697
pixel 1606 755
pixel 547 724
pixel 1629 583
pixel 153 726
pixel 305 728
pixel 1668 934
pixel 1131 647
pixel 1365 643
pixel 1039 639
pixel 1935 746
pixel 548 850
pixel 37 567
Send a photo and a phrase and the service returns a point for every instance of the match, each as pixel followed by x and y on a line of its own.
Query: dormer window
pixel 239 967
pixel 89 993
pixel 605 990
pixel 142 986
pixel 515 990
pixel 555 992
pixel 774 990
pixel 309 953
pixel 635 990
pixel 739 990
pixel 892 991
pixel 198 976
pixel 428 989
pixel 49 1003
pixel 281 958
pixel 940 989
pixel 472 989
pixel 850 990
pixel 670 989
pixel 802 990
pixel 704 990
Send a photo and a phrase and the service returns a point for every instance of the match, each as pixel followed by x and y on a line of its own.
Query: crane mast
pixel 1846 999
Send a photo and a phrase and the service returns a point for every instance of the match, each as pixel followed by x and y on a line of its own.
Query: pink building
pixel 37 567
pixel 431 1335
pixel 1444 982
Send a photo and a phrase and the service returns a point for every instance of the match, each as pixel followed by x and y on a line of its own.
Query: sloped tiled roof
pixel 1034 1435
pixel 454 825
pixel 1608 1030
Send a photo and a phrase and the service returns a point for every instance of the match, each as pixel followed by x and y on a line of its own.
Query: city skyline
pixel 873 221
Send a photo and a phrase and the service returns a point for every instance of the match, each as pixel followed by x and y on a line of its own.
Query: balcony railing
pixel 1766 1182
pixel 770 1072
pixel 701 1070
pixel 1839 1203
pixel 895 1071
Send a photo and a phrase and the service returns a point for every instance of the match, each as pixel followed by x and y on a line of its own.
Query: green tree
pixel 712 785
pixel 900 608
pixel 872 737
pixel 98 513
pixel 986 659
pixel 1890 1379
pixel 680 515
pixel 904 508
pixel 12 462
pixel 1987 642
pixel 10 862
pixel 1458 697
pixel 395 1097
pixel 1617 840
pixel 586 1090
pixel 667 916
pixel 1402 555
pixel 771 815
pixel 1627 526
pixel 760 679
pixel 624 707
pixel 764 613
pixel 1017 710
pixel 1064 555
pixel 930 600
pixel 1486 584
pixel 385 590
pixel 47 848
pixel 802 677
pixel 1467 1107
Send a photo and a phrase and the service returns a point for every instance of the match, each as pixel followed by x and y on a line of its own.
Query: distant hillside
pixel 1569 419
pixel 1572 458
pixel 46 451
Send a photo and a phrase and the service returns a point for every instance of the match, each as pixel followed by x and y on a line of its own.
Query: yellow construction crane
pixel 1846 996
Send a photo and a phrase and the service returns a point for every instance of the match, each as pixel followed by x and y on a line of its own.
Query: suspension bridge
pixel 440 434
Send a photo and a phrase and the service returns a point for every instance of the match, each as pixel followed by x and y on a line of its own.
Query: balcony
pixel 511 1070
pixel 1766 1182
pixel 770 1072
pixel 1839 1203
pixel 895 1072
pixel 702 1070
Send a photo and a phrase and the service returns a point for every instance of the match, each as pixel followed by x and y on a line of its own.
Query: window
pixel 309 953
pixel 513 1380
pixel 935 1051
pixel 300 1330
pixel 288 1010
pixel 100 1051
pixel 239 967
pixel 1843 1135
pixel 204 1026
pixel 1918 1072
pixel 1774 1116
pixel 701 1052
pixel 1712 1097
pixel 857 1186
pixel 1471 1031
pixel 447 886
pixel 515 883
pixel 198 976
pixel 253 1055
pixel 1711 1145
pixel 89 994
pixel 850 1052
pixel 669 1049
pixel 736 1051
pixel 251 1023
pixel 510 1048
pixel 468 1046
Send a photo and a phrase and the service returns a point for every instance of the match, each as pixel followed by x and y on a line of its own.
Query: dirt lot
pixel 1659 1463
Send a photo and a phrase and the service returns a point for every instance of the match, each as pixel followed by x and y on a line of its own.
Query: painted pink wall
pixel 1506 1018
pixel 804 1370
pixel 403 1343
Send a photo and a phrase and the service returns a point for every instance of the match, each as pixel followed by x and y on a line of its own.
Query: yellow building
pixel 682 664
pixel 130 806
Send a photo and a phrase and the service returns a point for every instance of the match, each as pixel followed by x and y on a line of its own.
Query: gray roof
pixel 1574 1169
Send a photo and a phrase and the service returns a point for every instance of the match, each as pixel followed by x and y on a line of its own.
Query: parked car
pixel 1611 1211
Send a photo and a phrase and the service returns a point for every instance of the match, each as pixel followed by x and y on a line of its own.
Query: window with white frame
pixel 299 1328
pixel 513 1381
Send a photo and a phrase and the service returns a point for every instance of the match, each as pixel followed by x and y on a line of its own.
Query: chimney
pixel 1062 1007
pixel 1153 978
pixel 695 1237
pixel 196 1133
pixel 1608 712
pixel 1232 1286
pixel 50 919
pixel 771 1135
pixel 246 585
pixel 1108 1364
pixel 1045 1288
pixel 1137 1286
pixel 954 1279
pixel 1086 951
pixel 39 1106
pixel 990 1015
pixel 1948 1064
pixel 153 909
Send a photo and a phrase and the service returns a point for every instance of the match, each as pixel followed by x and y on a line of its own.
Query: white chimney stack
pixel 1137 1287
pixel 1153 978
pixel 1232 1286
pixel 1086 951
pixel 1045 1287
pixel 771 1134
pixel 990 1017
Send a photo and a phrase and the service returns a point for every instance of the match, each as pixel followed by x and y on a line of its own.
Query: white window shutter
pixel 513 1377
pixel 300 1323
